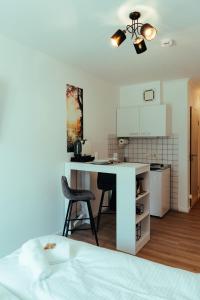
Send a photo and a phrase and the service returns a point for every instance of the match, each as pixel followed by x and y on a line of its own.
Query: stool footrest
pixel 78 219
pixel 78 229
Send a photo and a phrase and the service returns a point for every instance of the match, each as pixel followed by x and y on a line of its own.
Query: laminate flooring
pixel 175 239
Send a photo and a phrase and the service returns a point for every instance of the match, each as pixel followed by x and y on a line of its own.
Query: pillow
pixel 57 248
pixel 33 257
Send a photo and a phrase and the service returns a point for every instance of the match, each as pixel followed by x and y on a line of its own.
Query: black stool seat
pixel 106 182
pixel 75 196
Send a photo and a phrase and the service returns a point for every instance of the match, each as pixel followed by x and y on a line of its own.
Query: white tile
pixel 170 147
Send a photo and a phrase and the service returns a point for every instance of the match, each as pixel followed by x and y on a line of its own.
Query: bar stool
pixel 106 182
pixel 75 196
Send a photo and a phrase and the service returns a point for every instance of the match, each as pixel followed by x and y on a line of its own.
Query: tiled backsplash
pixel 151 150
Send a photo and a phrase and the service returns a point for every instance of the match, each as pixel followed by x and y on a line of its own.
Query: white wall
pixel 33 138
pixel 175 94
pixel 133 94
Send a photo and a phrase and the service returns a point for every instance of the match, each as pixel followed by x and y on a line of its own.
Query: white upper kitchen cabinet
pixel 153 120
pixel 143 121
pixel 128 121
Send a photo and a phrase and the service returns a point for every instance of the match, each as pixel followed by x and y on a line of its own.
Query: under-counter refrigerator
pixel 160 191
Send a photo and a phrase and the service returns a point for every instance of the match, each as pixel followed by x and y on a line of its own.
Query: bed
pixel 94 273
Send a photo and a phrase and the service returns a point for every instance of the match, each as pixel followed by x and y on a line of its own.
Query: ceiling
pixel 78 32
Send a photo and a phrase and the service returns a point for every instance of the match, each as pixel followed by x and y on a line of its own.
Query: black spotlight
pixel 139 45
pixel 118 37
pixel 148 31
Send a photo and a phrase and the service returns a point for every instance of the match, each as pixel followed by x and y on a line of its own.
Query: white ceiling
pixel 78 32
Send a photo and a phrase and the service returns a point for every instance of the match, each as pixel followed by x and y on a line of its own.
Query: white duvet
pixel 94 273
pixel 5 294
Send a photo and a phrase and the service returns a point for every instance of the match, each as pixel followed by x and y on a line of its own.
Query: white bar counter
pixel 125 199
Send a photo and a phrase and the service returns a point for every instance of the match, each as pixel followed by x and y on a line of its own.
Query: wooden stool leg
pixel 100 208
pixel 92 223
pixel 69 217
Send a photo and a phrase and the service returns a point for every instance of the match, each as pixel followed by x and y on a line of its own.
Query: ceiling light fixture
pixel 138 32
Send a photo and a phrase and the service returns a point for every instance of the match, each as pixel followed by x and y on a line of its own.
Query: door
pixel 153 120
pixel 128 122
pixel 194 138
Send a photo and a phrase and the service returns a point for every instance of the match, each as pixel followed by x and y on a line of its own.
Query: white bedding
pixel 5 294
pixel 94 273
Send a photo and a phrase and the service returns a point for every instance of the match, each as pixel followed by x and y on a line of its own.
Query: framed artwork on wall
pixel 74 120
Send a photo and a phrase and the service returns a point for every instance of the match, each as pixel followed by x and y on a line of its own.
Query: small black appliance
pixel 78 148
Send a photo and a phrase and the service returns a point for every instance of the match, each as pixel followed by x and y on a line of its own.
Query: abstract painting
pixel 74 123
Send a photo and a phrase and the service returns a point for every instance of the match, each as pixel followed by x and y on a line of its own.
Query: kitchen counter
pixel 126 197
pixel 106 168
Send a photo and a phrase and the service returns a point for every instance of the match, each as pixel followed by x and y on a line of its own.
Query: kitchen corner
pixel 159 150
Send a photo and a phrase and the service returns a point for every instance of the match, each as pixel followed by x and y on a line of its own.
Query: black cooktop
pixel 157 166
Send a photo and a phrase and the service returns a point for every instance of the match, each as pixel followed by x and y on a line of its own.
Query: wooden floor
pixel 175 239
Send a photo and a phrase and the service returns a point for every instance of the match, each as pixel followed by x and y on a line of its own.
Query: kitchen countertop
pixel 107 168
pixel 126 198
